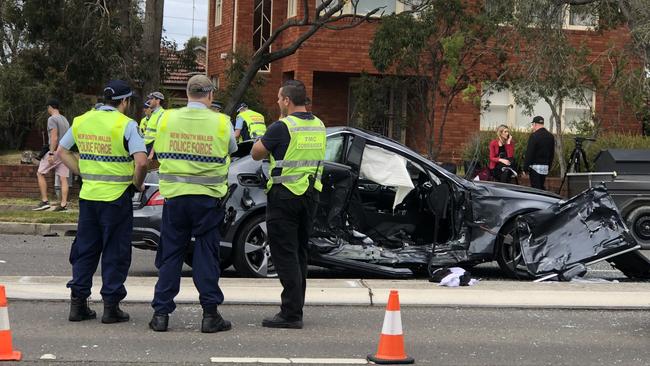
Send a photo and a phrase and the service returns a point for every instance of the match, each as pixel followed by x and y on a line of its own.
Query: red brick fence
pixel 20 181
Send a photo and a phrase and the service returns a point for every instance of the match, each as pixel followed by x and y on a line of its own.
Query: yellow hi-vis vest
pixel 254 123
pixel 152 126
pixel 192 148
pixel 304 156
pixel 143 124
pixel 105 164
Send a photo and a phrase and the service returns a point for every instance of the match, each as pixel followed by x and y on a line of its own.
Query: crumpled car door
pixel 580 230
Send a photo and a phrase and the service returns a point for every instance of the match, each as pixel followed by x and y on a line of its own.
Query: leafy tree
pixel 451 45
pixel 239 62
pixel 327 14
pixel 384 103
pixel 62 48
pixel 552 68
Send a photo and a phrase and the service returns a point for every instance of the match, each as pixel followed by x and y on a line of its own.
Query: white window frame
pixel 292 8
pixel 568 25
pixel 348 8
pixel 512 107
pixel 566 19
pixel 218 12
pixel 262 35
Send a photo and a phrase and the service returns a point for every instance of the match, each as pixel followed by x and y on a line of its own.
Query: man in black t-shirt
pixel 292 196
pixel 539 153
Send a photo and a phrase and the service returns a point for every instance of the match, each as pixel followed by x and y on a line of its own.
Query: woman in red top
pixel 502 153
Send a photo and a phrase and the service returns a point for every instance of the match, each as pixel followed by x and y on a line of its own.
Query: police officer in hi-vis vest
pixel 112 162
pixel 146 108
pixel 193 145
pixel 249 124
pixel 155 100
pixel 296 147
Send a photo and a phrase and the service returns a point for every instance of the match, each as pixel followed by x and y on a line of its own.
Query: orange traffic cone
pixel 6 351
pixel 391 340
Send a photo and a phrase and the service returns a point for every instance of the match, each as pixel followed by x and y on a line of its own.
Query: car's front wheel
pixel 251 252
pixel 508 253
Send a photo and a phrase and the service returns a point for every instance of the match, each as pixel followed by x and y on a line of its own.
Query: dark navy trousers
pixel 104 230
pixel 184 217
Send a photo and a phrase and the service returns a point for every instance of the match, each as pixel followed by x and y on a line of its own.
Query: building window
pixel 332 4
pixel 218 10
pixel 262 26
pixel 500 108
pixel 497 107
pixel 569 16
pixel 363 7
pixel 581 16
pixel 292 8
pixel 215 82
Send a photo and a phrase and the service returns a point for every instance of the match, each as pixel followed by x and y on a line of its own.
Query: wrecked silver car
pixel 385 210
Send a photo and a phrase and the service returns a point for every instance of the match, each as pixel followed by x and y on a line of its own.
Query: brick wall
pixel 20 181
pixel 327 60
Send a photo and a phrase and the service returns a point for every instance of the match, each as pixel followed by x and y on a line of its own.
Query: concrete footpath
pixel 496 294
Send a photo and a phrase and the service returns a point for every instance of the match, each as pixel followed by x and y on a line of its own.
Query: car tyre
pixel 508 252
pixel 251 252
pixel 638 222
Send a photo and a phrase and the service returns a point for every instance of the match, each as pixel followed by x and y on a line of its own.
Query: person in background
pixel 57 126
pixel 217 106
pixel 155 100
pixel 147 114
pixel 249 124
pixel 502 153
pixel 539 153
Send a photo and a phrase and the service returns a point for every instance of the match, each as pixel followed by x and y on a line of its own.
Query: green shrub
pixel 479 145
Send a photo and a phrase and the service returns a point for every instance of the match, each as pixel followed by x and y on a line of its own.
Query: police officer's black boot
pixel 79 310
pixel 213 322
pixel 159 322
pixel 113 314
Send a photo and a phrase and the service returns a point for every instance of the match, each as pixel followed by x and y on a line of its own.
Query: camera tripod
pixel 578 155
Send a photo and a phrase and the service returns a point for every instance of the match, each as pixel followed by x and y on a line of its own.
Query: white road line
pixel 248 360
pixel 319 361
pixel 330 361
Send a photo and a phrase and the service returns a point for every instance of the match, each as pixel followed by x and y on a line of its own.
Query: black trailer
pixel 626 175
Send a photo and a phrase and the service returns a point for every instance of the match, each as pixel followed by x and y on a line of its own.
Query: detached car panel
pixel 384 210
pixel 583 229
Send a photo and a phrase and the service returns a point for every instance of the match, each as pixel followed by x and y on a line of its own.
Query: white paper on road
pixel 388 169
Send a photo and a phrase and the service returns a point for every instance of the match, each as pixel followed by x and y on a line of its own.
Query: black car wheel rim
pixel 257 252
pixel 511 253
pixel 642 227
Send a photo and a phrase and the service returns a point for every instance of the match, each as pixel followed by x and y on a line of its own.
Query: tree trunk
pixel 431 122
pixel 126 37
pixel 153 21
pixel 251 71
pixel 556 110
pixel 443 122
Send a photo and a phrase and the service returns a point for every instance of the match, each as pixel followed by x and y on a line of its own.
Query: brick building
pixel 331 60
